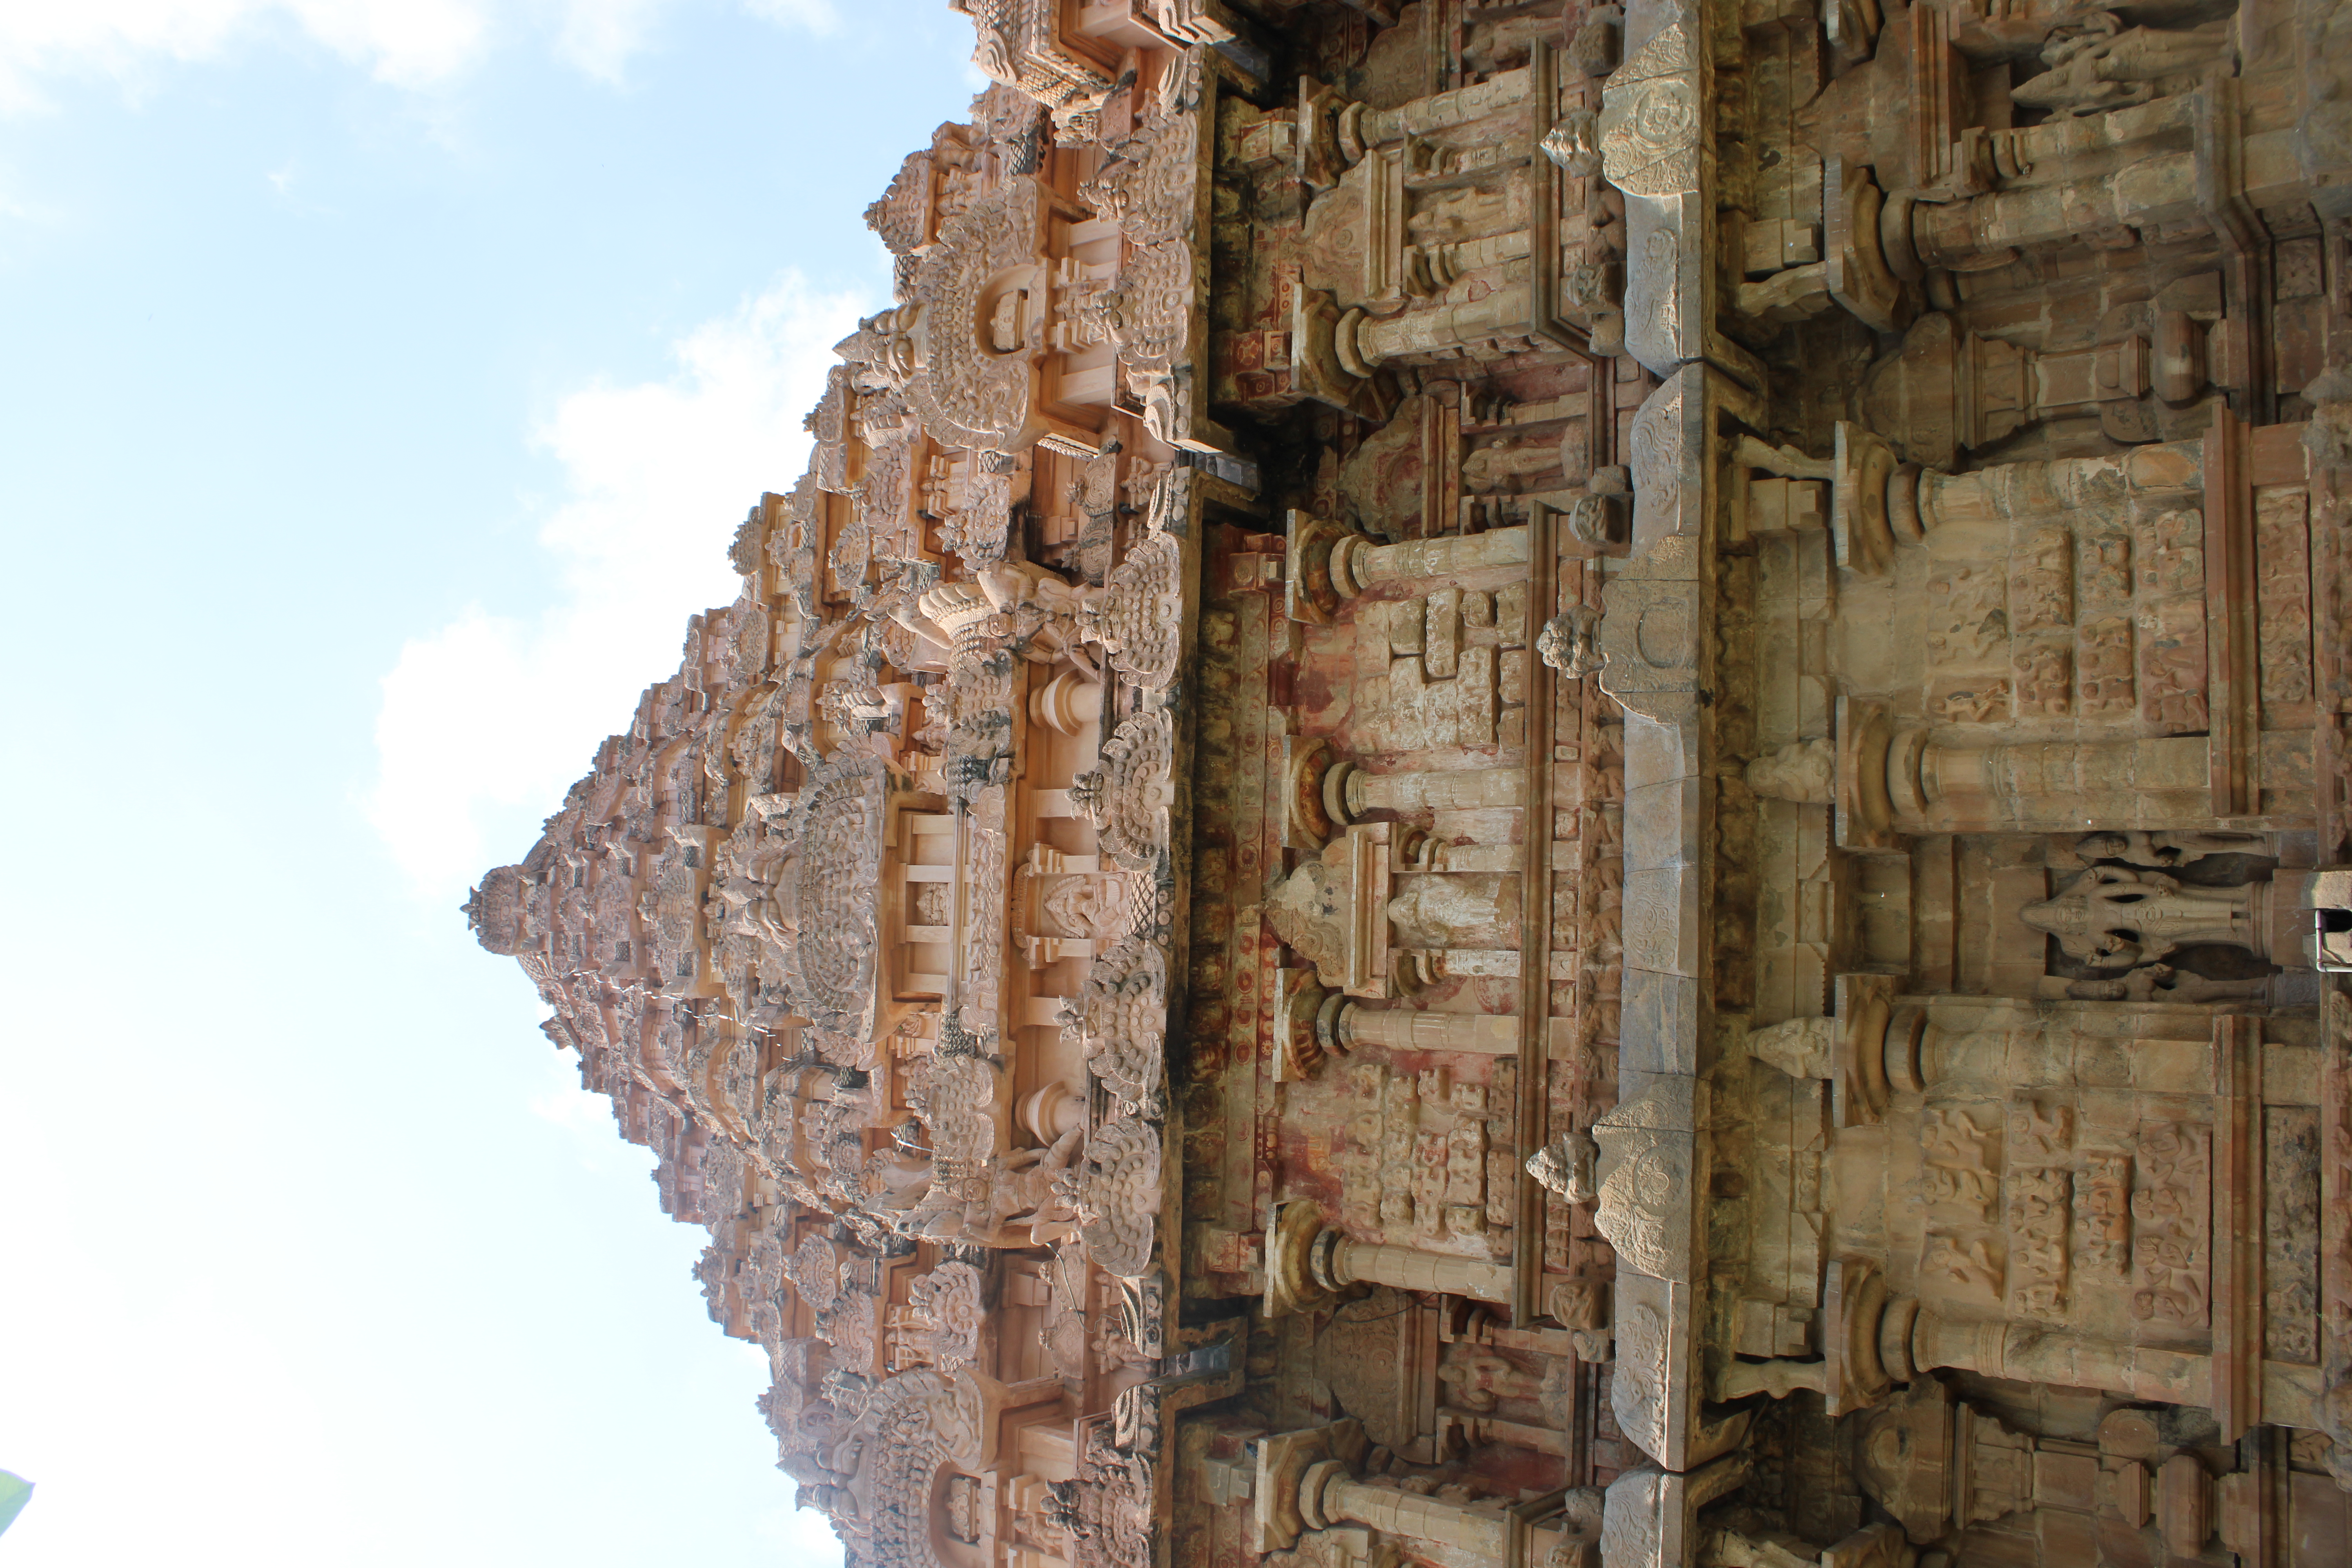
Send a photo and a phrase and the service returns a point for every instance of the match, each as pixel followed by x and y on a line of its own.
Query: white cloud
pixel 597 36
pixel 495 713
pixel 407 43
pixel 817 15
pixel 411 44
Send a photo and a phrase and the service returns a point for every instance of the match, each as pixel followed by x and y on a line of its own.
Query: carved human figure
pixel 1598 520
pixel 1025 1197
pixel 2163 982
pixel 1571 642
pixel 1046 610
pixel 1454 911
pixel 1801 1047
pixel 1593 289
pixel 2114 917
pixel 1804 771
pixel 1566 1167
pixel 2165 851
pixel 890 345
pixel 745 903
pixel 2101 64
pixel 1480 1380
pixel 896 1179
pixel 1574 143
pixel 858 702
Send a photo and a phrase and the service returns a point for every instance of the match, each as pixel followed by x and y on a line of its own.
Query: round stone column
pixel 1348 791
pixel 1307 1261
pixel 1340 1261
pixel 1357 564
pixel 1411 1029
pixel 1948 234
pixel 2035 1352
pixel 1328 1494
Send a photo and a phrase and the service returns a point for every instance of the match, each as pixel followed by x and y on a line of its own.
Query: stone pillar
pixel 1963 1043
pixel 1327 1495
pixel 1371 340
pixel 1366 126
pixel 1357 564
pixel 1325 564
pixel 2114 488
pixel 1921 235
pixel 1873 1340
pixel 1411 1029
pixel 1307 1261
pixel 1878 1042
pixel 1342 1261
pixel 2040 786
pixel 1348 791
pixel 2035 1352
pixel 2080 783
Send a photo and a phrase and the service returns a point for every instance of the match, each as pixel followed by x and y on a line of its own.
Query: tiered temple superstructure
pixel 1534 785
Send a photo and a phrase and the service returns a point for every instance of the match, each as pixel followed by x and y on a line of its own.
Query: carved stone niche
pixel 1332 911
pixel 923 879
pixel 1069 906
pixel 2113 918
pixel 977 350
pixel 1946 391
pixel 1420 244
pixel 1940 1466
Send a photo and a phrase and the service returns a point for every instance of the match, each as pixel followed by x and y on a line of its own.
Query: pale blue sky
pixel 380 384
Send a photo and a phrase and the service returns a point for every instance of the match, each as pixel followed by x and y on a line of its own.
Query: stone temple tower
pixel 1535 784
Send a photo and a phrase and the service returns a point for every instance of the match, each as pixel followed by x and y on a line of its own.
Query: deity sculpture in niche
pixel 2114 917
pixel 2099 64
